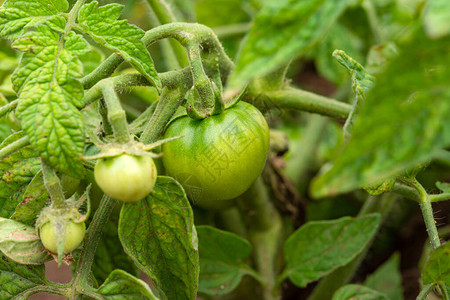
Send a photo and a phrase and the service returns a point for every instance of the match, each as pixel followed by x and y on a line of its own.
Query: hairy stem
pixel 14 146
pixel 116 115
pixel 8 107
pixel 303 100
pixel 81 277
pixel 427 212
pixel 165 15
pixel 425 291
pixel 167 106
pixel 53 186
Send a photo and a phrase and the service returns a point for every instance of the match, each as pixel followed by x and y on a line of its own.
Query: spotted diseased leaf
pixel 21 243
pixel 18 281
pixel 102 25
pixel 281 31
pixel 49 95
pixel 17 16
pixel 158 233
pixel 121 285
pixel 16 171
pixel 403 122
pixel 319 247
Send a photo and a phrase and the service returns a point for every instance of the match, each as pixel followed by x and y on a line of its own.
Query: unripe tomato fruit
pixel 127 178
pixel 219 157
pixel 73 236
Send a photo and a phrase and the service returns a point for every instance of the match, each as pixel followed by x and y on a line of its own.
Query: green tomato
pixel 219 157
pixel 73 236
pixel 127 178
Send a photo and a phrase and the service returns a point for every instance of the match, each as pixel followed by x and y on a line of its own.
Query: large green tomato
pixel 219 157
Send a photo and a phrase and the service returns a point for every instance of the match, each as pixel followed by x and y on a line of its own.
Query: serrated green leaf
pixel 443 186
pixel 102 25
pixel 355 291
pixel 435 18
pixel 437 268
pixel 281 31
pixel 34 199
pixel 76 45
pixel 387 279
pixel 402 123
pixel 221 260
pixel 158 233
pixel 121 285
pixel 17 16
pixel 19 281
pixel 110 255
pixel 21 243
pixel 319 247
pixel 49 95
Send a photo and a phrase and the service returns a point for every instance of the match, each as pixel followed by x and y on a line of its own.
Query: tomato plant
pixel 219 157
pixel 304 144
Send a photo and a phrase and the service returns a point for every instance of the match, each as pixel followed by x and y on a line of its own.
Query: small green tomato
pixel 127 178
pixel 73 236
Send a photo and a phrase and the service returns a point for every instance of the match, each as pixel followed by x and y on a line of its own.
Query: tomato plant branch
pixel 303 100
pixel 425 291
pixel 94 232
pixel 427 211
pixel 14 146
pixel 265 232
pixel 8 107
pixel 167 106
pixel 165 15
pixel 53 186
pixel 116 115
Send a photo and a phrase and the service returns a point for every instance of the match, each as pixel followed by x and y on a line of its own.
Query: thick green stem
pixel 53 186
pixel 427 212
pixel 306 101
pixel 14 146
pixel 8 107
pixel 331 283
pixel 165 15
pixel 425 291
pixel 265 232
pixel 81 277
pixel 116 115
pixel 167 106
pixel 233 30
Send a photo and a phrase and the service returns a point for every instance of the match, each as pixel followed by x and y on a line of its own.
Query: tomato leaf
pixel 281 31
pixel 387 278
pixel 319 247
pixel 17 16
pixel 443 186
pixel 158 233
pixel 34 199
pixel 355 291
pixel 402 123
pixel 19 281
pixel 120 284
pixel 437 268
pixel 49 95
pixel 221 260
pixel 102 25
pixel 21 243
